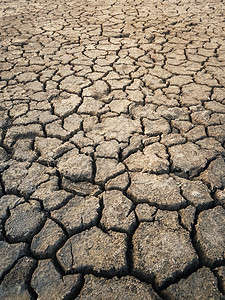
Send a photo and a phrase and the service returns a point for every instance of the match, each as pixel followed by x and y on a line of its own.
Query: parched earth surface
pixel 112 157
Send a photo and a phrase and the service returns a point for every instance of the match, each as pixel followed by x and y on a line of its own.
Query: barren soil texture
pixel 112 157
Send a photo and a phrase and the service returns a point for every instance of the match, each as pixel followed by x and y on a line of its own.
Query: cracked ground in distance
pixel 112 133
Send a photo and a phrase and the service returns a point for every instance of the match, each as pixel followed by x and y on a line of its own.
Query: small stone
pixel 11 254
pixel 78 214
pixel 210 236
pixel 117 213
pixel 47 282
pixel 187 216
pixel 200 285
pixel 120 182
pixel 214 175
pixel 187 158
pixel 145 212
pixel 159 190
pixel 14 285
pixel 94 250
pixel 107 168
pixel 76 166
pixel 25 220
pixel 116 288
pixel 46 242
pixel 163 249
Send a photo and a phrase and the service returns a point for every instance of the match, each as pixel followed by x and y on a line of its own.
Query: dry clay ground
pixel 112 151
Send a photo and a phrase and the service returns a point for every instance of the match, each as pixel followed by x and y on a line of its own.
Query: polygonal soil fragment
pixel 162 250
pixel 81 188
pixel 220 197
pixel 211 147
pixel 37 174
pixel 79 213
pixel 196 193
pixel 97 90
pixel 117 212
pixel 107 168
pixel 76 166
pixel 50 195
pixel 153 159
pixel 108 149
pixel 11 253
pixel 64 107
pixel 120 128
pixel 74 84
pixel 200 285
pixel 210 236
pixel 14 175
pixel 14 285
pixel 159 190
pixel 218 132
pixel 124 288
pixel 51 148
pixel 120 182
pixel 187 217
pixel 187 158
pixel 221 277
pixel 156 127
pixel 72 123
pixel 48 239
pixel 214 175
pixel 22 150
pixel 47 282
pixel 145 212
pixel 9 202
pixel 55 130
pixel 25 220
pixel 172 139
pixel 94 250
pixel 93 107
pixel 16 132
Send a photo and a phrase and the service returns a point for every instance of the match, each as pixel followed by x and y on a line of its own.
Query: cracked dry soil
pixel 112 133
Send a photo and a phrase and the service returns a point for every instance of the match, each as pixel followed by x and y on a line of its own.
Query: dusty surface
pixel 112 132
